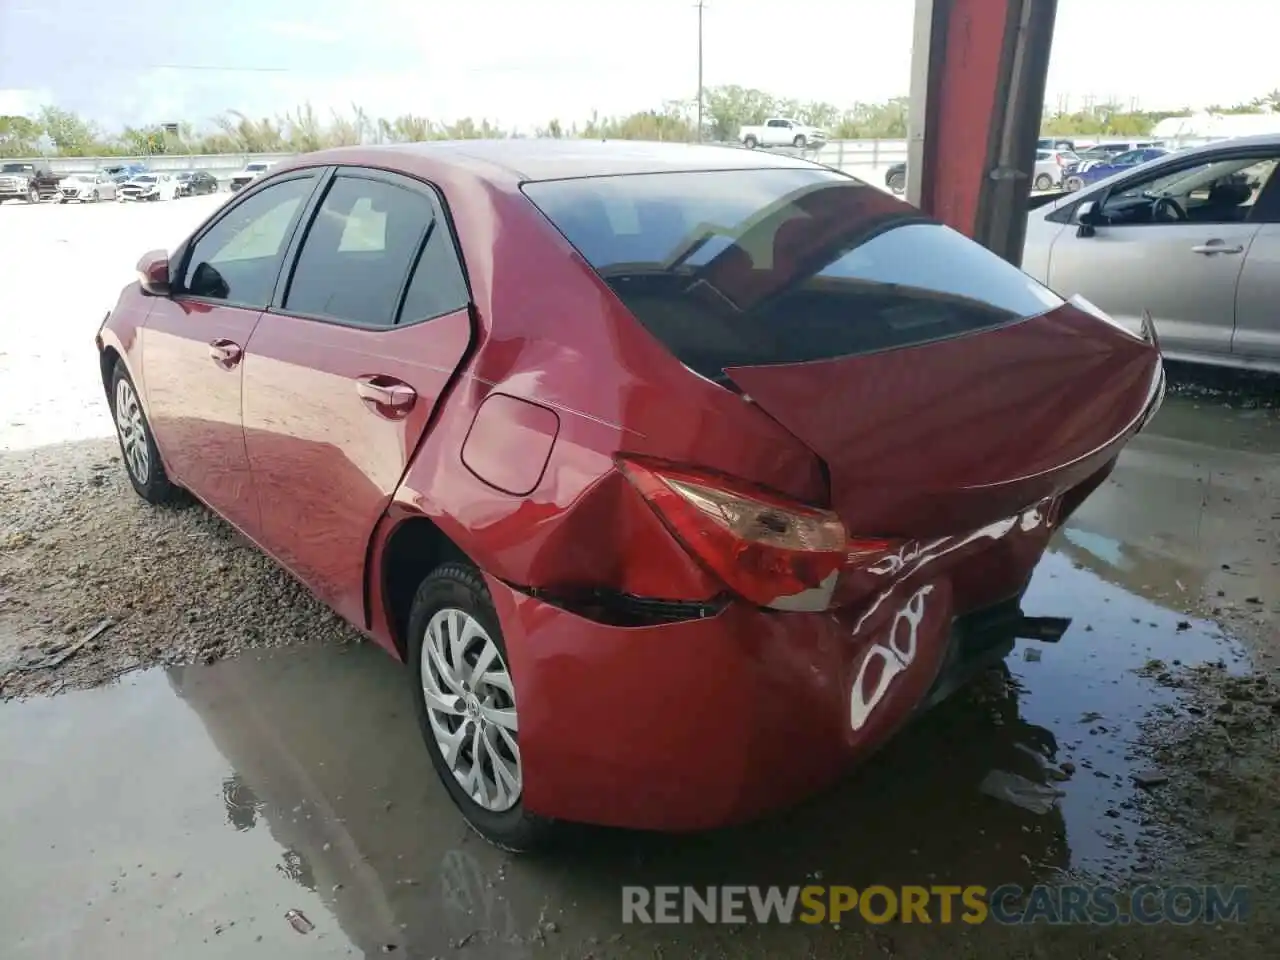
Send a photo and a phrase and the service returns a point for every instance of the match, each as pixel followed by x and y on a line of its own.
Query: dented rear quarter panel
pixel 552 334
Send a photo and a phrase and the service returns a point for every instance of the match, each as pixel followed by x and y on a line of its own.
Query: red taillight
pixel 769 550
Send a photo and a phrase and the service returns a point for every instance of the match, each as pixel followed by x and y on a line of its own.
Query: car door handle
pixel 386 392
pixel 225 352
pixel 1216 247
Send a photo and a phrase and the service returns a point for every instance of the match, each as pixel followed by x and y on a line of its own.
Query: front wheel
pixel 33 194
pixel 137 446
pixel 799 142
pixel 1074 183
pixel 898 182
pixel 465 701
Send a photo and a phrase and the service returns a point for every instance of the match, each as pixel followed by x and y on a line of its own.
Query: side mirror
pixel 153 273
pixel 1087 219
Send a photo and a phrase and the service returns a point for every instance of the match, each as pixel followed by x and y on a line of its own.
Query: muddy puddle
pixel 281 803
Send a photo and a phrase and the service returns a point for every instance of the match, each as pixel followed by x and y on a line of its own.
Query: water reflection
pixel 242 803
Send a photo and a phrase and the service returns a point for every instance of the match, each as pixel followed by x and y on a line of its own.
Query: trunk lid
pixel 949 436
pixel 944 388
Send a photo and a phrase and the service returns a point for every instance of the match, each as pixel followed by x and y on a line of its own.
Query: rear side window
pixel 357 253
pixel 752 267
pixel 437 286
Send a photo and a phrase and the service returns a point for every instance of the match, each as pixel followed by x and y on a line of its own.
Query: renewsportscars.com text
pixel 1009 904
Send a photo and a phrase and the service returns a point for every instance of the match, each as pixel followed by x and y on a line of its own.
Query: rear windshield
pixel 753 267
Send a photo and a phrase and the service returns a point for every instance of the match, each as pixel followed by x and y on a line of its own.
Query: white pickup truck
pixel 782 132
pixel 251 172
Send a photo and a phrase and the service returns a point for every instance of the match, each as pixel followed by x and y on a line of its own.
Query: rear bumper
pixel 704 723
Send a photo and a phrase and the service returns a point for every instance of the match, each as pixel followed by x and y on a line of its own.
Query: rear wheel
pixel 465 700
pixel 33 194
pixel 1074 183
pixel 750 143
pixel 137 446
pixel 898 182
pixel 1044 182
pixel 799 142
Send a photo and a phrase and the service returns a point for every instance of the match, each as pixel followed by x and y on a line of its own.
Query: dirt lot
pixel 268 762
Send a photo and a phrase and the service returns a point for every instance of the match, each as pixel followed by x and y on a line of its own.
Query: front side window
pixel 356 256
pixel 239 258
pixel 1212 191
pixel 751 267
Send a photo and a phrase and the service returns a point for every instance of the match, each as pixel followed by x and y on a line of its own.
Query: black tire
pixel 95 196
pixel 897 182
pixel 62 199
pixel 33 194
pixel 154 486
pixel 461 587
pixel 799 142
pixel 1044 182
pixel 750 143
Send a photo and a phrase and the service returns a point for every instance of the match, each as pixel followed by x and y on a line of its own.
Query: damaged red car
pixel 681 477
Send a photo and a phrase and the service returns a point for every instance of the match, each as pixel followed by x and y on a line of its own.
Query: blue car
pixel 1075 178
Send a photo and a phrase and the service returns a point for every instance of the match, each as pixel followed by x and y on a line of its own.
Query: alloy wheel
pixel 133 432
pixel 470 703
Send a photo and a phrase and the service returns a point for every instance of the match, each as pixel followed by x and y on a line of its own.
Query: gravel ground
pixel 90 572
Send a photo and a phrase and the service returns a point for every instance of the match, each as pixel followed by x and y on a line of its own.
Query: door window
pixel 358 250
pixel 1213 191
pixel 438 286
pixel 239 258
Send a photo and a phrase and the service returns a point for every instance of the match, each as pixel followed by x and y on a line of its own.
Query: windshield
pixel 749 267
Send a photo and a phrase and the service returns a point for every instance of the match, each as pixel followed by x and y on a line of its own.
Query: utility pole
pixel 701 4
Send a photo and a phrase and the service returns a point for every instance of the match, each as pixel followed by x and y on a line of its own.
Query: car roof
pixel 522 159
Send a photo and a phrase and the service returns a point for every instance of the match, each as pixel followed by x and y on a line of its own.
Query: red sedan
pixel 680 476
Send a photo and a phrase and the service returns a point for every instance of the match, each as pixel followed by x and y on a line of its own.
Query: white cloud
pixel 20 102
pixel 300 30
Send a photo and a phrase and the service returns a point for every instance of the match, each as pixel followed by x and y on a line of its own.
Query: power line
pixel 701 5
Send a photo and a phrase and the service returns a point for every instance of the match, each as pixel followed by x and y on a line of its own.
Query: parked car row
pixel 131 185
pixel 34 181
pixel 1095 169
pixel 1052 165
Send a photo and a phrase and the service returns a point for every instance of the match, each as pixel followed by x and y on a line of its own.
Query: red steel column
pixel 977 92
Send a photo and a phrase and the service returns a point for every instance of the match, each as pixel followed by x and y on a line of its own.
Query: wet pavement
pixel 187 811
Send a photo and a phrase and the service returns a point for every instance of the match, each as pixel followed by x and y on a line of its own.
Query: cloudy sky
pixel 522 62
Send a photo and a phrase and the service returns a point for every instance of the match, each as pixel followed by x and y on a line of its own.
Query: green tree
pixel 18 136
pixel 74 136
